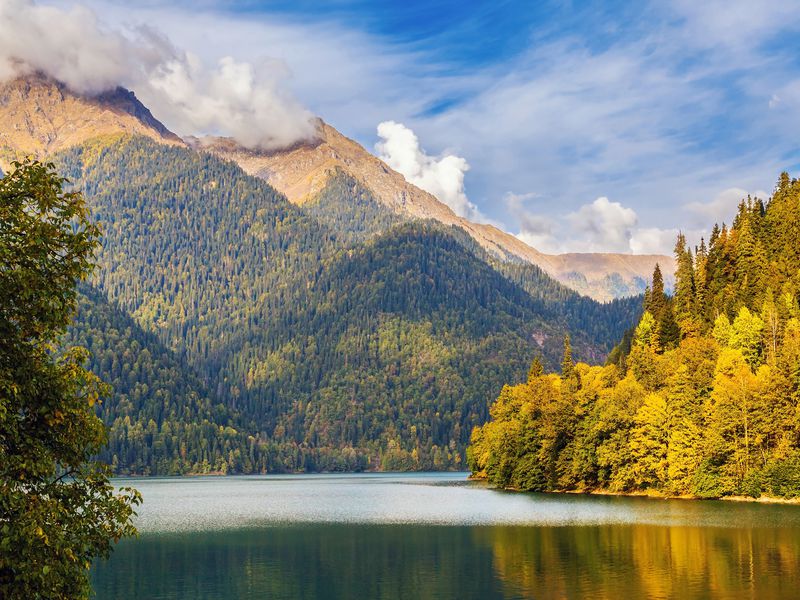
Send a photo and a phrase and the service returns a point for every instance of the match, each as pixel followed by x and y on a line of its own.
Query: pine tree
pixel 567 366
pixel 751 263
pixel 536 369
pixel 701 284
pixel 658 299
pixel 683 301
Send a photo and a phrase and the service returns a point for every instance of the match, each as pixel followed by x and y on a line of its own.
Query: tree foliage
pixel 58 510
pixel 702 399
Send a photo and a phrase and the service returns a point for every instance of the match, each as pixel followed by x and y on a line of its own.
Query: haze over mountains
pixel 319 314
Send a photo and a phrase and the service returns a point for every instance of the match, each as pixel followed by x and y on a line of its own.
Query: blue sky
pixel 578 126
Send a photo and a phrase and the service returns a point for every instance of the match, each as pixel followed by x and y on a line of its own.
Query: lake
pixel 439 536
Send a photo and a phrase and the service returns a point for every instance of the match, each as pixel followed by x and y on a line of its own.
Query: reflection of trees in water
pixel 326 562
pixel 643 561
pixel 314 562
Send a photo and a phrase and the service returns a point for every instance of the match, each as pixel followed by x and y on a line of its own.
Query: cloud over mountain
pixel 443 177
pixel 248 102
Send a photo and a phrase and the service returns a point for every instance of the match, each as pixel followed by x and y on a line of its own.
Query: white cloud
pixel 233 98
pixel 443 176
pixel 68 45
pixel 669 107
pixel 604 226
pixel 600 226
pixel 652 240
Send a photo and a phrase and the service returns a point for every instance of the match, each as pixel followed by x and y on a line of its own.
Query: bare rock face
pixel 40 116
pixel 302 171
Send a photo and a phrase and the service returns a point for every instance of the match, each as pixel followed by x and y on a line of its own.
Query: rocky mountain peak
pixel 41 116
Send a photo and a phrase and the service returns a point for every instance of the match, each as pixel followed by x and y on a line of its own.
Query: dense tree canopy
pixel 702 398
pixel 245 334
pixel 57 508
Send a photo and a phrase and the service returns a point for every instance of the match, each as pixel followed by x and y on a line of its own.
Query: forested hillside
pixel 269 336
pixel 348 208
pixel 160 416
pixel 702 399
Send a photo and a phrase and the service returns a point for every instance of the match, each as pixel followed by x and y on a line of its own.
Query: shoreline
pixel 647 494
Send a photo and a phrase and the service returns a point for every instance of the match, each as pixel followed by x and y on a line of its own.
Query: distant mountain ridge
pixel 41 116
pixel 302 172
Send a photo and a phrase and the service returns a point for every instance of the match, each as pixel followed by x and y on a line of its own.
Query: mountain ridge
pixel 328 352
pixel 42 116
pixel 302 171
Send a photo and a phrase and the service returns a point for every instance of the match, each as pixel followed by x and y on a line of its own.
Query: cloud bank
pixel 604 226
pixel 443 176
pixel 599 226
pixel 722 208
pixel 237 99
pixel 661 108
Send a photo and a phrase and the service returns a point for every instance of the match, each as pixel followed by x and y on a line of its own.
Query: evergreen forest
pixel 244 334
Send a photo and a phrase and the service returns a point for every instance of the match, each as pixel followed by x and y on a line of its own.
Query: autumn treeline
pixel 702 398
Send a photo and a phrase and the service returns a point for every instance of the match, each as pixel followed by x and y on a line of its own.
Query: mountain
pixel 341 353
pixel 161 418
pixel 247 333
pixel 303 171
pixel 41 116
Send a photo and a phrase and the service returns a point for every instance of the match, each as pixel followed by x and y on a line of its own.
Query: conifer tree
pixel 700 284
pixel 536 369
pixel 658 299
pixel 683 301
pixel 567 366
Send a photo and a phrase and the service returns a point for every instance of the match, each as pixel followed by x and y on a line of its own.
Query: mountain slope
pixel 432 325
pixel 40 116
pixel 303 171
pixel 161 418
pixel 340 353
pixel 248 333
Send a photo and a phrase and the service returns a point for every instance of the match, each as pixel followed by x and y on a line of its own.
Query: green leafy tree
pixel 58 510
pixel 746 336
pixel 722 330
pixel 646 334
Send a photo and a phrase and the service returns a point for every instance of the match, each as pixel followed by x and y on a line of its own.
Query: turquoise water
pixel 439 536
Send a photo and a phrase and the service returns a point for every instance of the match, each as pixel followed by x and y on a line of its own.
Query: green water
pixel 438 536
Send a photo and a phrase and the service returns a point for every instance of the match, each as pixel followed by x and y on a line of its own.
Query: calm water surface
pixel 438 536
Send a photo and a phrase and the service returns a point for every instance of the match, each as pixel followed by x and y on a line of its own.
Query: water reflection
pixel 644 561
pixel 409 537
